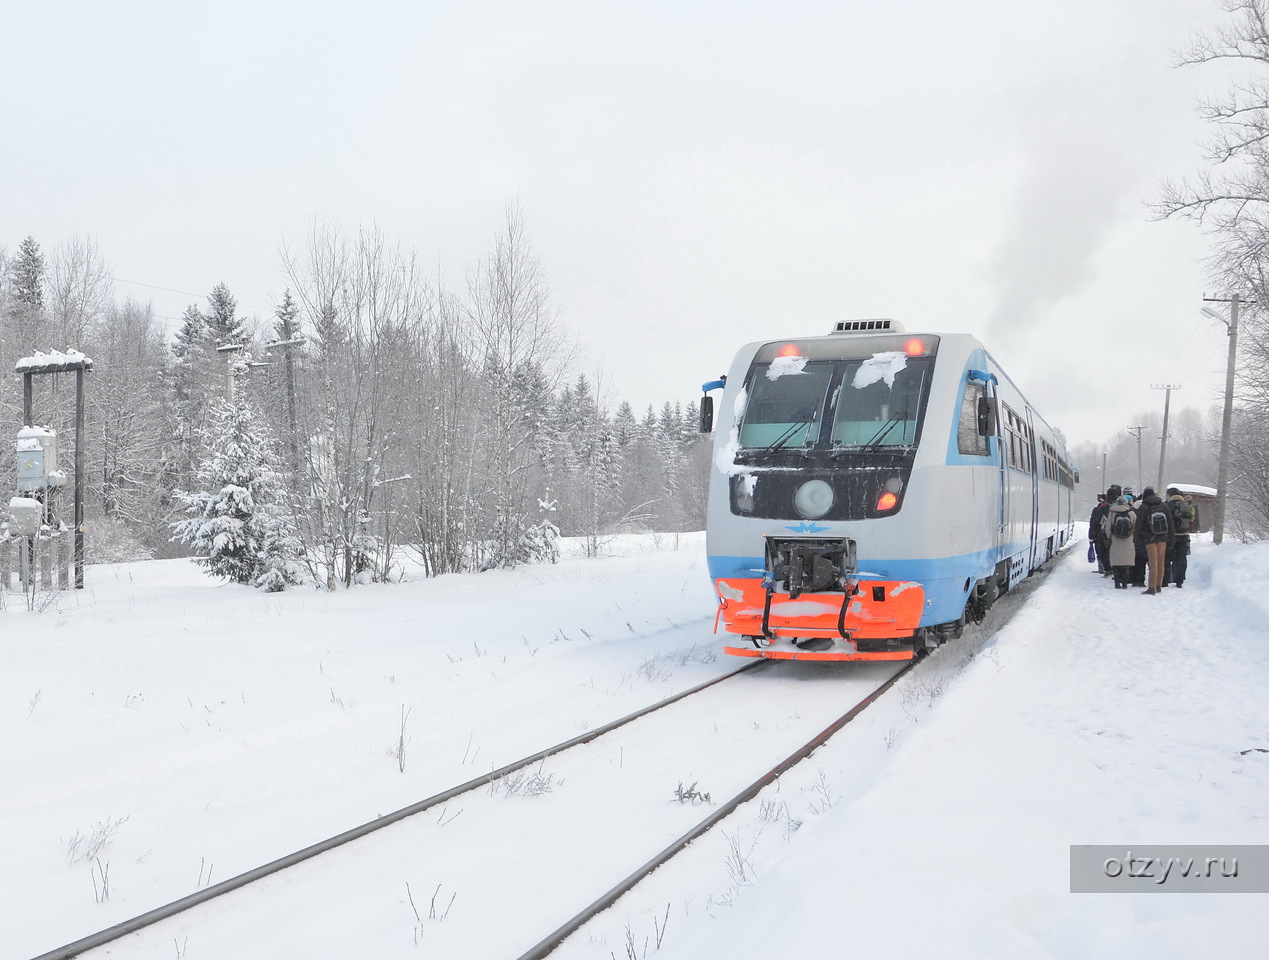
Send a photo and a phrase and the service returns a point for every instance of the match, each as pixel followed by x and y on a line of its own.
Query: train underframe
pixel 811 603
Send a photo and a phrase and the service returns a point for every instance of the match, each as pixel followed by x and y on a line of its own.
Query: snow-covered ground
pixel 160 732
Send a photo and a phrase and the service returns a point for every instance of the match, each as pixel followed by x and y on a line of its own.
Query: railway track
pixel 546 945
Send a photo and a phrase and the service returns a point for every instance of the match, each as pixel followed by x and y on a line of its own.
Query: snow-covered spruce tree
pixel 223 322
pixel 239 521
pixel 25 322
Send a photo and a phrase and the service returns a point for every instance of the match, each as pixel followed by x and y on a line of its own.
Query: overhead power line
pixel 185 293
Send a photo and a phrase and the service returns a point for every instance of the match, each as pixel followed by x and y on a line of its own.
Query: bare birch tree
pixel 129 419
pixel 77 292
pixel 362 299
pixel 1230 198
pixel 519 342
pixel 446 441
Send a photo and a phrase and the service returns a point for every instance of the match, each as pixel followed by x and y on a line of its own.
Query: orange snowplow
pixel 821 626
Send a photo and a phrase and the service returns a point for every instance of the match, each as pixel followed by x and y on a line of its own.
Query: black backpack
pixel 1122 527
pixel 1158 521
pixel 1182 515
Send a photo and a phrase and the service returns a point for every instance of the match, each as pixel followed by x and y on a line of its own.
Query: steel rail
pixel 560 934
pixel 122 929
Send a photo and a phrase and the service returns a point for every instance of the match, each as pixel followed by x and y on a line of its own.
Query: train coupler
pixel 803 565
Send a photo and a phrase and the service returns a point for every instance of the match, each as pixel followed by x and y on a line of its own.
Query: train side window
pixel 1052 466
pixel 970 440
pixel 1020 441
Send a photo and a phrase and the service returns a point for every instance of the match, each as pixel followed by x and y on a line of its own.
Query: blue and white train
pixel 873 489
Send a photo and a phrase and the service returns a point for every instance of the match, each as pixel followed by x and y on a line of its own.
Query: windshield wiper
pixel 785 437
pixel 884 431
pixel 875 441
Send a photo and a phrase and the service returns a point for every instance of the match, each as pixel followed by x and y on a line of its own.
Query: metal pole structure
pixel 1227 415
pixel 1163 440
pixel 1227 423
pixel 1103 470
pixel 55 364
pixel 289 377
pixel 1135 430
pixel 79 479
pixel 230 350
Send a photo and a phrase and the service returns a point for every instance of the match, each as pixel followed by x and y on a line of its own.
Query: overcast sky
pixel 692 175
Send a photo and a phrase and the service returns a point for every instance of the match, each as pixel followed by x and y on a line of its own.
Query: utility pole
pixel 287 330
pixel 230 350
pixel 1135 430
pixel 1227 415
pixel 235 367
pixel 63 363
pixel 289 380
pixel 1103 470
pixel 1163 440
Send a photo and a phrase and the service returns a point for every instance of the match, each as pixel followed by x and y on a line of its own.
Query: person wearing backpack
pixel 1122 523
pixel 1184 519
pixel 1154 531
pixel 1098 534
pixel 1139 557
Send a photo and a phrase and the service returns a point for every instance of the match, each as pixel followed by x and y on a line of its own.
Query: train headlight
pixel 813 499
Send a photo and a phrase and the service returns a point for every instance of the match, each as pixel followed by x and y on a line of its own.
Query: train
pixel 873 490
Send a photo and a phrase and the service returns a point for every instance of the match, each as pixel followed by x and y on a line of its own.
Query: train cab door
pixel 1002 466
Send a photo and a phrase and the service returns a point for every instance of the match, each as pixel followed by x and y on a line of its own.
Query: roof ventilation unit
pixel 883 325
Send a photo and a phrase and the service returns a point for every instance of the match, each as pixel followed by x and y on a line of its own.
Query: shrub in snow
pixel 525 543
pixel 541 543
pixel 108 540
pixel 239 519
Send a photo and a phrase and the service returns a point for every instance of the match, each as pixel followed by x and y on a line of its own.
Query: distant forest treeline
pixel 399 415
pixel 387 413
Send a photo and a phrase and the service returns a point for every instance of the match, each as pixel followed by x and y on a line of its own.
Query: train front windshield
pixel 838 395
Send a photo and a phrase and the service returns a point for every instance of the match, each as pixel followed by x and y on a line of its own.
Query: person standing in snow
pixel 1098 534
pixel 1121 521
pixel 1155 531
pixel 1095 521
pixel 1139 558
pixel 1184 519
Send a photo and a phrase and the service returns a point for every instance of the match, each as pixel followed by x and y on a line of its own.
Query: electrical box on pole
pixel 25 516
pixel 39 475
pixel 37 459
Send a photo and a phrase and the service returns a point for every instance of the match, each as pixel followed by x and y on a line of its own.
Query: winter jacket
pixel 1095 521
pixel 1172 502
pixel 1122 551
pixel 1144 510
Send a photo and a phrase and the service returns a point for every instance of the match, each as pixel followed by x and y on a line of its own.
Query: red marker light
pixel 914 347
pixel 789 350
pixel 886 502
